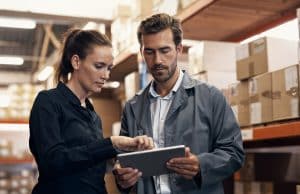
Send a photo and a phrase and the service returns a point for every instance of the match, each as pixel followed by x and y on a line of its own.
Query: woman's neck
pixel 77 90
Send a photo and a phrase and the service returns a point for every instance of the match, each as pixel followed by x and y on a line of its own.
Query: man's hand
pixel 126 177
pixel 187 166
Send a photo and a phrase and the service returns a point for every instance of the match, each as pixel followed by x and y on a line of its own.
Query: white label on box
pixel 255 187
pixel 258 45
pixel 252 87
pixel 298 189
pixel 242 51
pixel 255 113
pixel 235 111
pixel 233 90
pixel 291 77
pixel 294 107
pixel 247 134
pixel 116 127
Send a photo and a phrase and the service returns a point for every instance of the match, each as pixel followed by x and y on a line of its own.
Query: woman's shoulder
pixel 51 96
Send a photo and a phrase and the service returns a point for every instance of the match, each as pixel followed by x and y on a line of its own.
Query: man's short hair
pixel 159 22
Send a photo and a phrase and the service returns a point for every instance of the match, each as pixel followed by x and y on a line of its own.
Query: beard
pixel 162 73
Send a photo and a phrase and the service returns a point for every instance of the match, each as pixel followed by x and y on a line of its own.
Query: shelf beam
pixel 290 129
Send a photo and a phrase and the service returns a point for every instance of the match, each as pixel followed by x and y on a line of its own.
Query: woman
pixel 65 132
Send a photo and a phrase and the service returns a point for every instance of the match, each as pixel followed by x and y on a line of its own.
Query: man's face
pixel 160 54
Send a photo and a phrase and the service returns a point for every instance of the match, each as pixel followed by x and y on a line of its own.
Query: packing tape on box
pixel 294 91
pixel 267 94
pixel 254 98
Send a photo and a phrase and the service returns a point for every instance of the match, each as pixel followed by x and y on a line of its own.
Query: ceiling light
pixel 14 127
pixel 113 84
pixel 95 26
pixel 17 23
pixel 6 60
pixel 45 73
pixel 4 100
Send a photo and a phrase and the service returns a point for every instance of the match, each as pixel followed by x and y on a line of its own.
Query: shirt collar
pixel 154 94
pixel 70 96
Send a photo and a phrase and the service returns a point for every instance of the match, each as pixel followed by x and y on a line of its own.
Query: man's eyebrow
pixel 164 47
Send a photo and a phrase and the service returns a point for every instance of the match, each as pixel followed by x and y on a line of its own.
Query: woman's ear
pixel 75 61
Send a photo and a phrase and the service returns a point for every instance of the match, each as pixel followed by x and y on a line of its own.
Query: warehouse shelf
pixel 272 131
pixel 218 20
pixel 231 20
pixel 14 121
pixel 15 160
pixel 125 63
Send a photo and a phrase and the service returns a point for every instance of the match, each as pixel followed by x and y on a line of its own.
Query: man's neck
pixel 164 88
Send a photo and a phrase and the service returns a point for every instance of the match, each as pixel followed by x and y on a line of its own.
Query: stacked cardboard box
pixel 134 82
pixel 285 84
pixel 213 62
pixel 265 55
pixel 253 187
pixel 239 101
pixel 260 98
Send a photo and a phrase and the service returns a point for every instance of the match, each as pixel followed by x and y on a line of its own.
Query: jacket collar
pixel 141 102
pixel 71 97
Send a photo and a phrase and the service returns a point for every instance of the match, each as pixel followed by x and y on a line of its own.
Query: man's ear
pixel 179 48
pixel 75 61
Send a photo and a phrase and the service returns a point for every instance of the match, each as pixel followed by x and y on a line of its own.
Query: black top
pixel 67 143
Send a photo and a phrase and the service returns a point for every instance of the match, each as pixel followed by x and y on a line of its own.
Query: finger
pixel 123 171
pixel 193 168
pixel 127 176
pixel 183 172
pixel 151 143
pixel 181 161
pixel 187 152
pixel 147 143
pixel 130 181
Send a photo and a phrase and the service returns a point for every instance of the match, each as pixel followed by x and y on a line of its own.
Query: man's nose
pixel 158 59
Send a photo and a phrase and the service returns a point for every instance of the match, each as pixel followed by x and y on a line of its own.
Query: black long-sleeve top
pixel 67 143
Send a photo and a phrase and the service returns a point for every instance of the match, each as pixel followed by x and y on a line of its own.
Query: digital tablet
pixel 151 162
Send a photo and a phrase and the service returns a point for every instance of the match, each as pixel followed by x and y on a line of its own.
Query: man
pixel 176 109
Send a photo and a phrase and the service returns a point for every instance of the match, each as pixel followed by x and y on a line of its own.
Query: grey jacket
pixel 199 118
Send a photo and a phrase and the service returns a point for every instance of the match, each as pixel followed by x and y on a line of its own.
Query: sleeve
pixel 54 158
pixel 227 153
pixel 124 132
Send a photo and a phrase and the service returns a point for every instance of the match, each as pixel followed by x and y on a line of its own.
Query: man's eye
pixel 166 50
pixel 148 52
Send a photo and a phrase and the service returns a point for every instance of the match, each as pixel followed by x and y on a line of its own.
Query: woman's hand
pixel 132 144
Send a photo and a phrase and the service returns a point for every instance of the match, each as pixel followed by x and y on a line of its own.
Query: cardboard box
pixel 132 84
pixel 265 55
pixel 260 98
pixel 239 101
pixel 218 79
pixel 285 85
pixel 212 56
pixel 247 172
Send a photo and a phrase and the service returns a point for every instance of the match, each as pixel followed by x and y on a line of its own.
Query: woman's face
pixel 94 70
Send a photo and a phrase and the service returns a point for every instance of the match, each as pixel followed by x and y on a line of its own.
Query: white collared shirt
pixel 159 109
